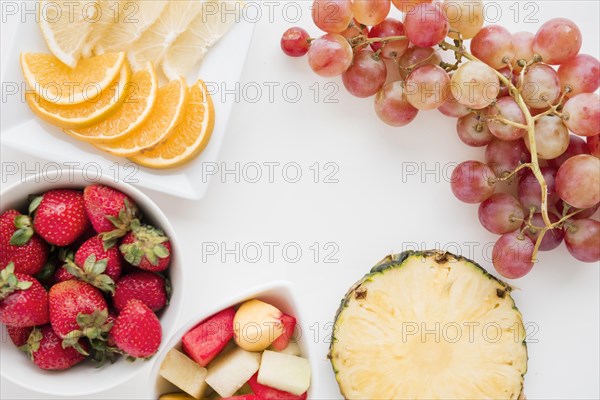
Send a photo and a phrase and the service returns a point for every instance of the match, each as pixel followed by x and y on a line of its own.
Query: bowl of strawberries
pixel 87 271
pixel 251 347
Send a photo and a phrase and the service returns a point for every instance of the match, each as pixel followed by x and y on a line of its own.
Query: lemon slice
pixel 132 19
pixel 165 115
pixel 82 114
pixel 202 33
pixel 155 41
pixel 189 138
pixel 65 25
pixel 108 16
pixel 139 99
pixel 57 83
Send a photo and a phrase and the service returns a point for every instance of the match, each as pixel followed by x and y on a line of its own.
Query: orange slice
pixel 57 83
pixel 82 114
pixel 189 138
pixel 165 115
pixel 135 109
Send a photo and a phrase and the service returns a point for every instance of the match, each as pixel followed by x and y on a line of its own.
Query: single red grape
pixel 473 130
pixel 472 182
pixel 583 114
pixel 330 55
pixel 427 87
pixel 557 41
pixel 581 74
pixel 294 42
pixel 578 181
pixel 426 25
pixel 366 75
pixel 512 255
pixel 541 86
pixel 392 107
pixel 501 213
pixel 494 45
pixel 583 239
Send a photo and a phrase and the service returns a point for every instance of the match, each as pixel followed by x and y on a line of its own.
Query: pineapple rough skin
pixel 359 292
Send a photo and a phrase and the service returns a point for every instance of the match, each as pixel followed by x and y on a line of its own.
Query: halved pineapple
pixel 429 325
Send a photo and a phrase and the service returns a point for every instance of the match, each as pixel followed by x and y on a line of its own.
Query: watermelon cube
pixel 289 325
pixel 204 342
pixel 268 393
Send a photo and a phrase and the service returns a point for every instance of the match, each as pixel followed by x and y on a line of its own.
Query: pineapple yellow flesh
pixel 425 329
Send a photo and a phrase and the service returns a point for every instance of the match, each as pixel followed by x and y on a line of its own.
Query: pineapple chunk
pixel 184 373
pixel 293 349
pixel 256 325
pixel 284 372
pixel 176 396
pixel 230 371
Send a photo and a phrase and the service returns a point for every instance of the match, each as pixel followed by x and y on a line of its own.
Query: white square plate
pixel 21 130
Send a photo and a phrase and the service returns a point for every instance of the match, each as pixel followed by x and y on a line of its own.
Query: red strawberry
pixel 204 342
pixel 20 245
pixel 19 336
pixel 97 264
pixel 109 210
pixel 60 217
pixel 69 300
pixel 146 247
pixel 46 350
pixel 289 324
pixel 268 393
pixel 23 300
pixel 145 286
pixel 137 331
pixel 243 397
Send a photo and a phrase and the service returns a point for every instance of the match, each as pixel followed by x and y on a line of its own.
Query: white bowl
pixel 279 294
pixel 85 379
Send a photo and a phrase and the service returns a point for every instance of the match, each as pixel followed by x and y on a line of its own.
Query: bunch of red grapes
pixel 529 98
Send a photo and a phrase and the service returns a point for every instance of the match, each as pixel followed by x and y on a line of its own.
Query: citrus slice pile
pixel 127 114
pixel 100 83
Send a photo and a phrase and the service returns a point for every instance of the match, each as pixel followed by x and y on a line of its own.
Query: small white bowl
pixel 279 293
pixel 85 379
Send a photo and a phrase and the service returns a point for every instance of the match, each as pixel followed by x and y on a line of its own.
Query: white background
pixel 375 208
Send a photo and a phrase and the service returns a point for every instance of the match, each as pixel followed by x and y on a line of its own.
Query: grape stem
pixel 502 120
pixel 363 40
pixel 529 126
pixel 554 109
pixel 513 173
